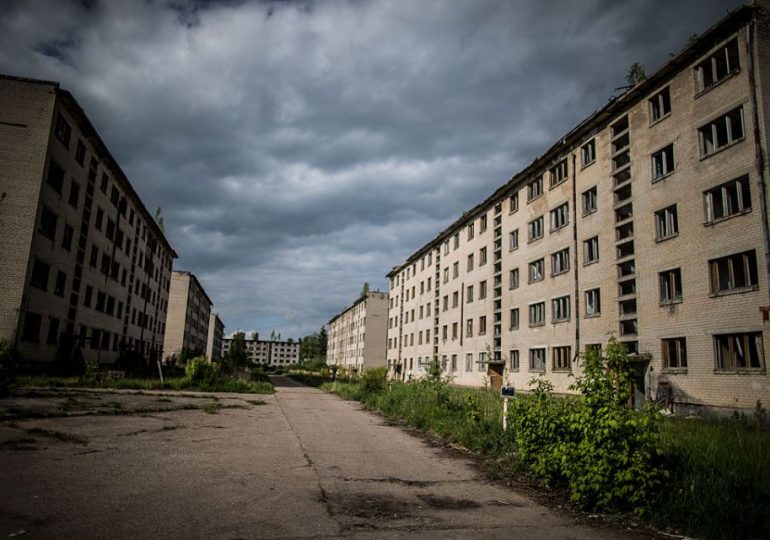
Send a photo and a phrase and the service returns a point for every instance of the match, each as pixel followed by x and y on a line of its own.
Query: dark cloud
pixel 299 149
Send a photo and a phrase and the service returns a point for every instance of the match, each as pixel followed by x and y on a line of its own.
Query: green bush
pixel 199 370
pixel 609 455
pixel 374 380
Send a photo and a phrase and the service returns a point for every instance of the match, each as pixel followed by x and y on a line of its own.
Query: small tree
pixel 237 356
pixel 159 219
pixel 365 289
pixel 635 74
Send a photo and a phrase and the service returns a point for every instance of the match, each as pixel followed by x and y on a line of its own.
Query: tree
pixel 255 336
pixel 365 289
pixel 237 355
pixel 635 74
pixel 159 219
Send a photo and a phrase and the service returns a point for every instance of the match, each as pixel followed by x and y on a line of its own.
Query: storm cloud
pixel 300 149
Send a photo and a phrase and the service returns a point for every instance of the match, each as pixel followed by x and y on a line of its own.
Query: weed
pixel 256 402
pixel 58 435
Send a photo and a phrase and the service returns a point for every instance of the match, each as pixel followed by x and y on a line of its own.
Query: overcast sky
pixel 300 149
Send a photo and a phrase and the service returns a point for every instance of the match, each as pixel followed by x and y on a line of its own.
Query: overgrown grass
pixel 721 478
pixel 222 384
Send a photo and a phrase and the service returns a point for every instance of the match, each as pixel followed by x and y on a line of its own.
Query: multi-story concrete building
pixel 357 335
pixel 647 221
pixel 215 335
pixel 187 323
pixel 268 353
pixel 85 268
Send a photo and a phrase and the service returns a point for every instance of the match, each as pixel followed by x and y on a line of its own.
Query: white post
pixel 505 414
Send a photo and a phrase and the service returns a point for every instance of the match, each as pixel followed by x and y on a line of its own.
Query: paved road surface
pixel 303 465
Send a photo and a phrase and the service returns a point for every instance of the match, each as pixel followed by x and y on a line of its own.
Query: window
pixel 94 256
pixel 40 271
pixel 455 299
pixel 591 250
pixel 535 188
pixel 454 330
pixel 469 362
pixel 88 295
pixel 114 195
pixel 660 105
pixel 560 217
pixel 721 132
pixel 482 290
pixel 55 177
pixel 456 269
pixel 470 263
pixel 561 358
pixel 593 303
pixel 456 240
pixel 446 275
pixel 80 153
pixel 31 330
pixel 482 361
pixel 469 294
pixel 589 201
pixel 100 301
pixel 666 223
pixel 663 162
pixel 535 229
pixel 670 286
pixel 536 270
pixel 99 218
pixel 513 279
pixel 48 222
pixel 559 173
pixel 61 283
pixel 728 199
pixel 63 131
pixel 537 314
pixel 53 331
pixel 560 262
pixel 733 272
pixel 513 240
pixel 482 256
pixel 513 203
pixel 66 241
pixel 588 153
pixel 723 62
pixel 482 325
pixel 454 363
pixel 74 194
pixel 560 309
pixel 446 247
pixel 514 319
pixel 446 302
pixel 469 328
pixel 674 353
pixel 537 359
pixel 739 351
pixel 513 359
pixel 470 231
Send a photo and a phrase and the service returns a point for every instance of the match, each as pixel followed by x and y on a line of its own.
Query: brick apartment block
pixel 647 221
pixel 356 336
pixel 85 270
pixel 189 312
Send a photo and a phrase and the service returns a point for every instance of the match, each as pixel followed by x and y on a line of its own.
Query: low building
pixel 85 269
pixel 189 310
pixel 358 334
pixel 215 336
pixel 647 221
pixel 268 353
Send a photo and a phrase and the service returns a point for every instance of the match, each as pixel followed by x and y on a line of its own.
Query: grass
pixel 57 435
pixel 241 386
pixel 720 469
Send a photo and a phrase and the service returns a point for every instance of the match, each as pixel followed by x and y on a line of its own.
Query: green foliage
pixel 237 357
pixel 199 370
pixel 635 74
pixel 720 483
pixel 608 454
pixel 374 380
pixel 312 347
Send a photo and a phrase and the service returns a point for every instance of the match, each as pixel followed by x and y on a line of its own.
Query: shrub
pixel 199 370
pixel 374 380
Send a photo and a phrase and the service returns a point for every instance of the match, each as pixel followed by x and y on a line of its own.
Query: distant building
pixel 357 335
pixel 189 309
pixel 215 335
pixel 85 269
pixel 268 353
pixel 647 221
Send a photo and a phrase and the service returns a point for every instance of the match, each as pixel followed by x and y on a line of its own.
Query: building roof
pixel 195 279
pixel 354 304
pixel 597 120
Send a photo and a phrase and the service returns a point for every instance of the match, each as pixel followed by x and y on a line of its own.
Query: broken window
pixel 560 262
pixel 591 250
pixel 663 162
pixel 513 240
pixel 666 223
pixel 721 132
pixel 739 351
pixel 660 105
pixel 537 359
pixel 536 270
pixel 560 217
pixel 535 229
pixel 560 311
pixel 537 314
pixel 535 188
pixel 55 177
pixel 588 153
pixel 723 62
pixel 593 303
pixel 674 353
pixel 733 272
pixel 561 358
pixel 670 286
pixel 589 201
pixel 559 173
pixel 728 199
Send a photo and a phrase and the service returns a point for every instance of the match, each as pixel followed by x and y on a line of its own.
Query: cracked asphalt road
pixel 305 464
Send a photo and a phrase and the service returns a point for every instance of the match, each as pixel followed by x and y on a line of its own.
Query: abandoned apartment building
pixel 647 221
pixel 356 335
pixel 86 269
